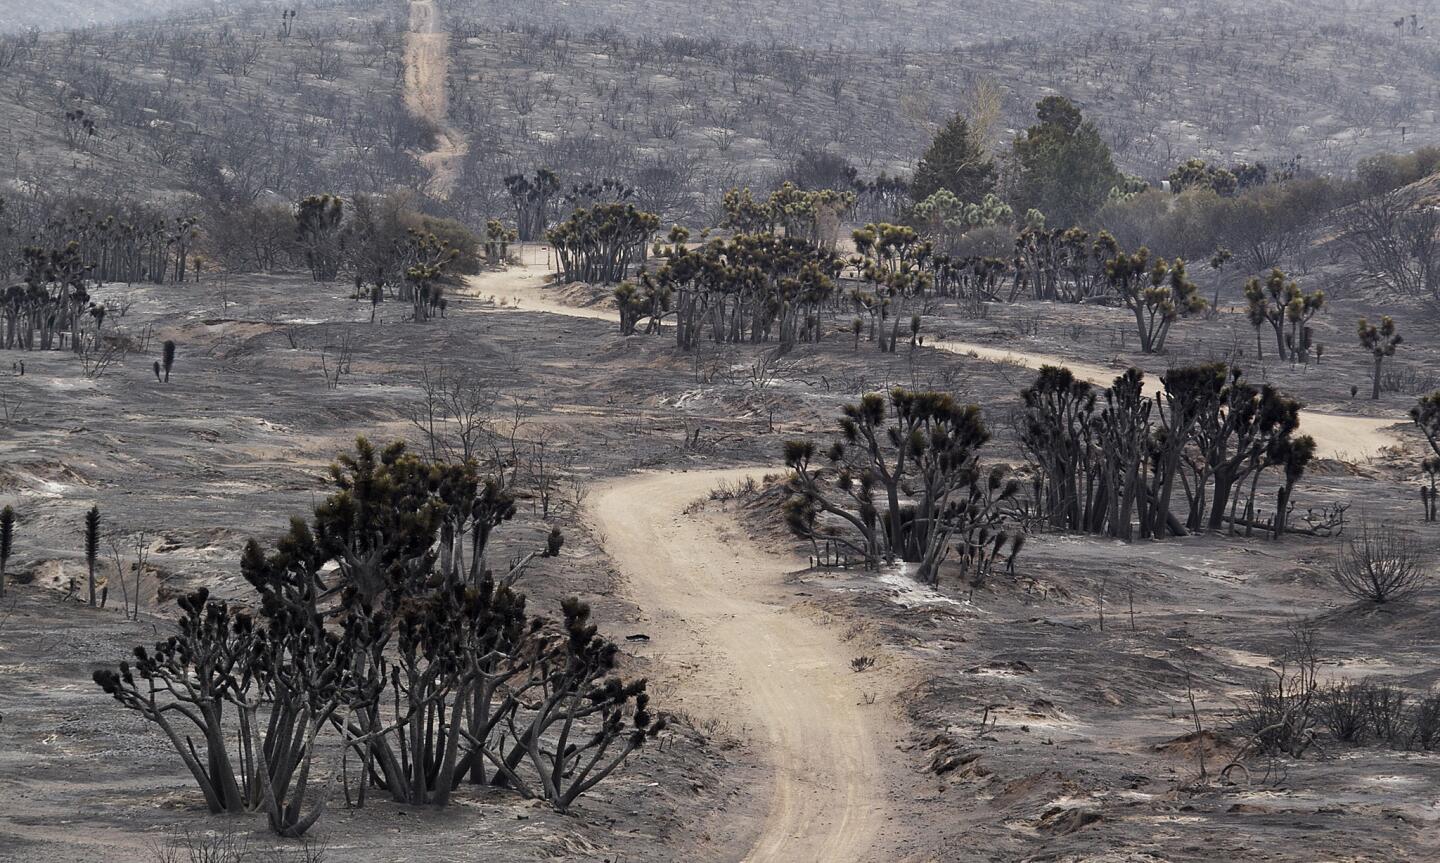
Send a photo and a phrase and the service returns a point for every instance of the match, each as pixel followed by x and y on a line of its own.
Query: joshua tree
pixel 1156 294
pixel 1279 301
pixel 602 243
pixel 1381 342
pixel 92 546
pixel 906 479
pixel 7 537
pixel 1426 415
pixel 497 241
pixel 1430 493
pixel 531 198
pixel 167 361
pixel 423 676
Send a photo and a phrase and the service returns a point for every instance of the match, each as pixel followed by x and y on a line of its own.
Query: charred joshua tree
pixel 1108 465
pixel 92 549
pixel 427 678
pixel 319 229
pixel 905 479
pixel 1426 415
pixel 53 303
pixel 531 198
pixel 187 684
pixel 7 539
pixel 167 360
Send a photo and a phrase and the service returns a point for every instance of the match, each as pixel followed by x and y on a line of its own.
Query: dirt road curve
pixel 766 668
pixel 427 61
pixel 1344 438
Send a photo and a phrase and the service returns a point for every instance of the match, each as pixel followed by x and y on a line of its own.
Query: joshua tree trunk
pixel 1375 380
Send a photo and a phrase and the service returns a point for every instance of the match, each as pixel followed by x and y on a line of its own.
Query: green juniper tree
pixel 1066 169
pixel 955 162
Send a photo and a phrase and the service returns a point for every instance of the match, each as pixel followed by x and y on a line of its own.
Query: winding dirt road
pixel 1339 437
pixel 766 668
pixel 427 64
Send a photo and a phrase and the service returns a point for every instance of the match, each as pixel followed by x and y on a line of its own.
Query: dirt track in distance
pixel 427 62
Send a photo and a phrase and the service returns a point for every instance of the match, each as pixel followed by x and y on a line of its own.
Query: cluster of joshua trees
pixel 381 641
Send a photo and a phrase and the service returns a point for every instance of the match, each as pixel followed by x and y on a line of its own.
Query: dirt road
pixel 427 62
pixel 1344 438
pixel 764 667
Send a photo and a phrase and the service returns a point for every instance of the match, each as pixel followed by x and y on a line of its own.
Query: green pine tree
pixel 1066 170
pixel 957 162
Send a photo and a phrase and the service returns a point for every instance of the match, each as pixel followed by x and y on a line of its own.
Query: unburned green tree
pixel 1066 169
pixel 956 162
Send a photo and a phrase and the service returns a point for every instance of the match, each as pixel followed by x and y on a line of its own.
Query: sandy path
pixel 765 667
pixel 1344 438
pixel 524 288
pixel 427 62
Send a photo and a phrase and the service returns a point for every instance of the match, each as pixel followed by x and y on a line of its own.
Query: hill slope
pixel 230 102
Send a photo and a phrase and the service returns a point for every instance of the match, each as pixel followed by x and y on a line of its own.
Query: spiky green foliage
pixel 601 244
pixel 751 287
pixel 1157 294
pixel 1280 302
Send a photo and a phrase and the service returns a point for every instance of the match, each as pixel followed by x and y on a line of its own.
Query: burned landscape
pixel 467 431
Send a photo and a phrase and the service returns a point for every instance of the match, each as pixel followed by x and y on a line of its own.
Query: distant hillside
pixel 16 16
pixel 926 24
pixel 228 105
